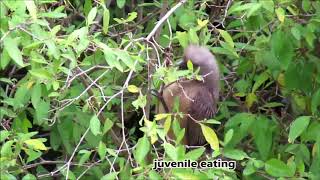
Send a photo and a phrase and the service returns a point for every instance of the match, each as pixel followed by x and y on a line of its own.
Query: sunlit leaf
pixel 92 14
pixel 210 136
pixel 280 14
pixel 35 144
pixel 133 89
pixel 161 116
pixel 32 8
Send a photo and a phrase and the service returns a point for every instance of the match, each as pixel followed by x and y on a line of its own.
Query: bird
pixel 197 98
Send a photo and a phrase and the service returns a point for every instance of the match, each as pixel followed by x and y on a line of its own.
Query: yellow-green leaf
pixel 36 144
pixel 280 14
pixel 182 38
pixel 161 116
pixel 106 19
pixel 92 14
pixel 133 89
pixel 167 124
pixel 202 23
pixel 31 8
pixel 226 36
pixel 210 136
pixel 250 99
pixel 190 65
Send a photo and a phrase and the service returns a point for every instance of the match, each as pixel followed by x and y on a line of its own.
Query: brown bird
pixel 197 99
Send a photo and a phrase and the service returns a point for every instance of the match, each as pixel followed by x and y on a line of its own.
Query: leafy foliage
pixel 76 80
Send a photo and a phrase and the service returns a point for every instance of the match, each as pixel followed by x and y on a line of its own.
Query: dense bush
pixel 77 78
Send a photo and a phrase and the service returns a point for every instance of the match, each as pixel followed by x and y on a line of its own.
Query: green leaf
pixel 53 15
pixel 240 123
pixel 84 157
pixel 235 154
pixel 42 110
pixel 110 176
pixel 106 19
pixel 95 125
pixel 110 57
pixel 259 81
pixel 297 127
pixel 140 102
pixel 182 38
pixel 249 169
pixel 35 144
pixel 121 3
pixel 38 58
pixel 254 8
pixel 126 58
pixel 315 102
pixel 210 137
pixel 32 155
pixel 195 154
pixel 142 149
pixel 6 149
pixel 212 121
pixel 296 32
pixel 87 7
pixel 154 175
pixel 228 137
pixel 277 168
pixel 5 59
pixel 40 73
pixel 272 105
pixel 187 175
pixel 171 151
pixel 29 177
pixel 262 135
pixel 226 36
pixel 107 125
pixel 132 16
pixel 102 150
pixel 238 7
pixel 193 37
pixel 3 135
pixel 306 5
pixel 36 95
pixel 92 14
pixel 11 46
